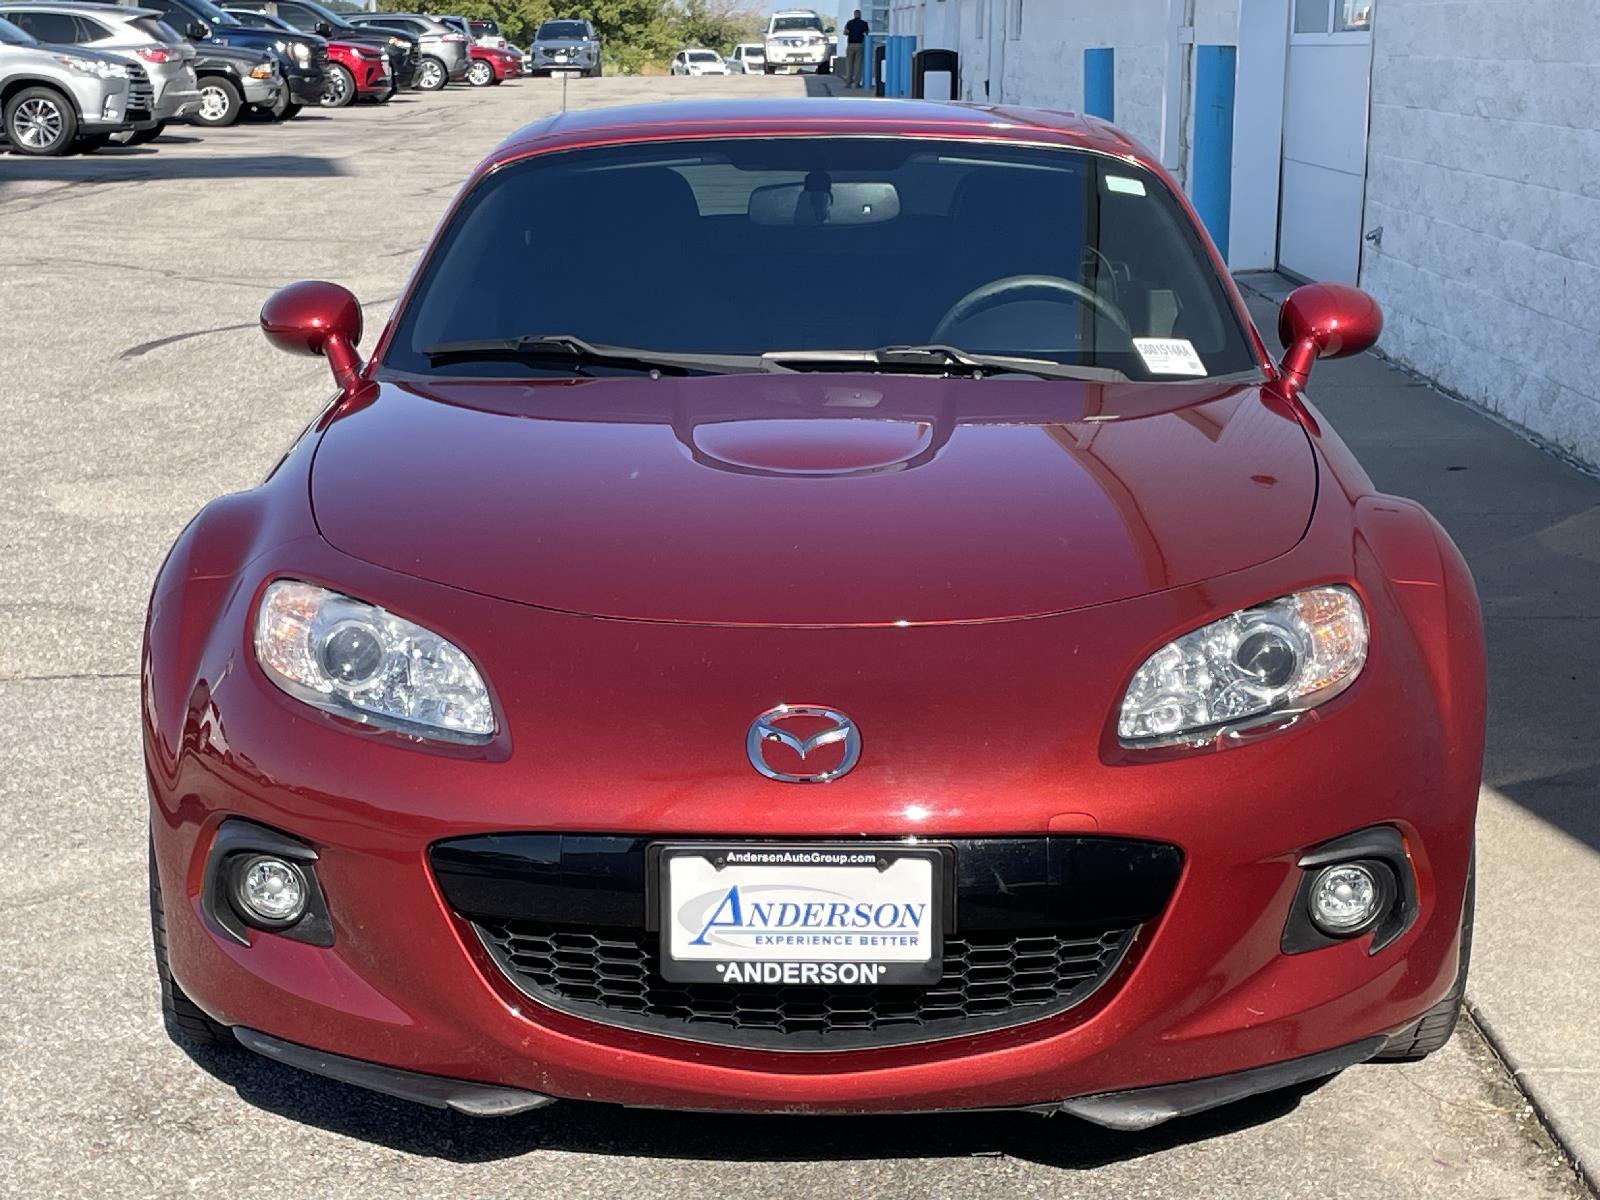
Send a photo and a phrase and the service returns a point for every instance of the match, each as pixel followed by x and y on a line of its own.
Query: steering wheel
pixel 1000 291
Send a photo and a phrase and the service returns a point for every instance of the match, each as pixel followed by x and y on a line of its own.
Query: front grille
pixel 141 96
pixel 1035 924
pixel 991 980
pixel 319 58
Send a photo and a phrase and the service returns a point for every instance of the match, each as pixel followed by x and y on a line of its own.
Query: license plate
pixel 803 914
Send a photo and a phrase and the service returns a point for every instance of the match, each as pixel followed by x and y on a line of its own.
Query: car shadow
pixel 588 1128
pixel 115 163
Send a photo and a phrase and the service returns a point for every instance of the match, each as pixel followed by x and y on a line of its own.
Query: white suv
pixel 796 41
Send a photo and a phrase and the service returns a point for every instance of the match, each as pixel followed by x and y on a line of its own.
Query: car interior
pixel 1049 253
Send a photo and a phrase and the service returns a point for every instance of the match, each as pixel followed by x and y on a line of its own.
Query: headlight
pixel 263 71
pixel 369 665
pixel 281 46
pixel 302 54
pixel 1278 658
pixel 89 66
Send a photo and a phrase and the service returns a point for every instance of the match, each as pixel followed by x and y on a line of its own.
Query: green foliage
pixel 635 35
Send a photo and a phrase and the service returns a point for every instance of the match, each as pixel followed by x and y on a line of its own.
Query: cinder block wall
pixel 1484 175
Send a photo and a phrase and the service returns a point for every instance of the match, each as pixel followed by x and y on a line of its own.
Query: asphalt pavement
pixel 134 387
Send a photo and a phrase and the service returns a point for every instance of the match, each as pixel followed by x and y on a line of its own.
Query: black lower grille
pixel 991 980
pixel 141 95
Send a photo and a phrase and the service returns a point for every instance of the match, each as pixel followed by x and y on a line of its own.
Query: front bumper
pixel 305 86
pixel 407 985
pixel 261 92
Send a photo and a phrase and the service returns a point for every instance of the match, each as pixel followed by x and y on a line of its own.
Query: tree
pixel 718 25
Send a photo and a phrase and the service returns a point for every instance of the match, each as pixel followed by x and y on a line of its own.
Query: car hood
pixel 813 499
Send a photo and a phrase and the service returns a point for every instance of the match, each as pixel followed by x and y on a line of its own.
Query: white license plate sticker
pixel 798 915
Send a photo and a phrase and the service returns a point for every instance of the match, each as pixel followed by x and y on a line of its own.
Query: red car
pixel 964 672
pixel 357 72
pixel 491 65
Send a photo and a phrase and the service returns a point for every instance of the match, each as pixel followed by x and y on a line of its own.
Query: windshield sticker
pixel 1121 183
pixel 1169 356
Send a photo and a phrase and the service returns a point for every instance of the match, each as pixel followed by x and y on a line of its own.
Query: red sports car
pixel 964 672
pixel 491 65
pixel 357 72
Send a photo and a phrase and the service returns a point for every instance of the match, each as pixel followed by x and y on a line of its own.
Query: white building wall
pixel 1484 175
pixel 1483 165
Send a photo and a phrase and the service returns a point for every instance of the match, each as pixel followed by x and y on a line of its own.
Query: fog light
pixel 1345 899
pixel 270 889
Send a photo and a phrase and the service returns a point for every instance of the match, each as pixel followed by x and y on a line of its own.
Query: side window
pixel 90 31
pixel 302 19
pixel 56 28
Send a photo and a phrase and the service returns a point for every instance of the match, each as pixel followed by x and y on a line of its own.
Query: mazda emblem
pixel 770 729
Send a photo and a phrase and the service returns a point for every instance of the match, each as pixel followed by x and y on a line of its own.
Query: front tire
pixel 431 75
pixel 181 1014
pixel 1433 1030
pixel 220 102
pixel 341 89
pixel 480 73
pixel 41 121
pixel 140 137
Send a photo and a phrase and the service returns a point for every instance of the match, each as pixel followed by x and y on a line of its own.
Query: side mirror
pixel 1325 320
pixel 323 28
pixel 197 29
pixel 316 318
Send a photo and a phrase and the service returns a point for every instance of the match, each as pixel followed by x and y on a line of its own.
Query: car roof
pixel 86 7
pixel 685 119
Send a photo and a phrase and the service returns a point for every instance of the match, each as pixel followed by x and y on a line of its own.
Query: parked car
pixel 133 35
pixel 354 72
pixel 1155 799
pixel 748 58
pixel 357 73
pixel 492 66
pixel 301 68
pixel 309 17
pixel 698 62
pixel 487 34
pixel 797 40
pixel 565 45
pixel 54 99
pixel 235 80
pixel 443 48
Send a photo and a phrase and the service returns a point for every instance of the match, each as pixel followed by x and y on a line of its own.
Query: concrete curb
pixel 1545 1109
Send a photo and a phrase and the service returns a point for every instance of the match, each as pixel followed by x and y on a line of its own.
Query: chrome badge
pixel 803 730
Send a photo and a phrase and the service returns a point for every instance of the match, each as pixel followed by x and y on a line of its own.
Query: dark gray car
pixel 445 56
pixel 565 46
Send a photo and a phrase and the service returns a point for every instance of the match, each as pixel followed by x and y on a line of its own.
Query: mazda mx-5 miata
pixel 955 667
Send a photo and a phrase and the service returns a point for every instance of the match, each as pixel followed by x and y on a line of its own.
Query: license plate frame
pixel 783 869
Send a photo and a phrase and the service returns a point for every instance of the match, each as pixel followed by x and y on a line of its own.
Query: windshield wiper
pixel 564 349
pixel 938 359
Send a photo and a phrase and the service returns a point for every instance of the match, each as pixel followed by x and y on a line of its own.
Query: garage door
pixel 1325 139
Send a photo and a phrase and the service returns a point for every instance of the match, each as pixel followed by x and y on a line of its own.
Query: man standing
pixel 855 36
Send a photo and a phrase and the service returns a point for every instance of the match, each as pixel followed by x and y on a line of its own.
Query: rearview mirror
pixel 1325 320
pixel 836 204
pixel 318 319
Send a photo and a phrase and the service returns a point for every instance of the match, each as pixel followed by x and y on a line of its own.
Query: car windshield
pixel 703 56
pixel 562 31
pixel 160 30
pixel 485 29
pixel 14 36
pixel 212 14
pixel 828 244
pixel 753 51
pixel 791 24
